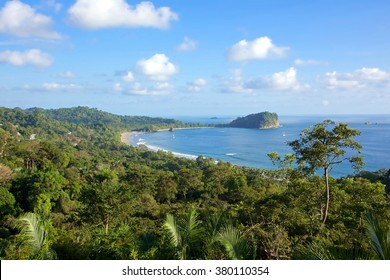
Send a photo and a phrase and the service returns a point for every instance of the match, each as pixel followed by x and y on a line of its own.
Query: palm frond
pixel 174 231
pixel 313 251
pixel 192 225
pixel 232 240
pixel 379 237
pixel 32 230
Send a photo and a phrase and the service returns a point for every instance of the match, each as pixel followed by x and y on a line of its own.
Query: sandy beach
pixel 127 136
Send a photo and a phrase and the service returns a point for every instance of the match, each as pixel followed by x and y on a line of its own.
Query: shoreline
pixel 128 139
pixel 127 136
pixel 182 128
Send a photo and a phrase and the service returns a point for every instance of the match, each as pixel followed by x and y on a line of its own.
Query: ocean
pixel 249 147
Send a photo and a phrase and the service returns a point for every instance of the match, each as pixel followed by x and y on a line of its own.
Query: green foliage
pixel 325 145
pixel 233 242
pixel 259 120
pixel 97 198
pixel 185 234
pixel 322 147
pixel 34 236
pixel 379 236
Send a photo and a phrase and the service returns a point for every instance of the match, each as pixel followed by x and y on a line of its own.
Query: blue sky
pixel 195 57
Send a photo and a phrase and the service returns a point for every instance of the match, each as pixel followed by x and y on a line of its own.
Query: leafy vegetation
pixel 323 147
pixel 69 189
pixel 259 120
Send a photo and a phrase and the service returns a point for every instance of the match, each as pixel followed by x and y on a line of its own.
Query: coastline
pixel 127 137
pixel 183 128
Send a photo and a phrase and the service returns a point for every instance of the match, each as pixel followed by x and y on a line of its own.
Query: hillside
pixel 262 120
pixel 93 117
pixel 92 197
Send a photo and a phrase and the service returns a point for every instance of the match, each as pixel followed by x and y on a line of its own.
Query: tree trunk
pixel 106 224
pixel 326 174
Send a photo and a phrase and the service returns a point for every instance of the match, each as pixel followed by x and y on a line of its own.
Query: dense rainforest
pixel 69 189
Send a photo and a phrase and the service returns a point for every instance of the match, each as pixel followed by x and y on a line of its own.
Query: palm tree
pixel 233 242
pixel 34 233
pixel 185 233
pixel 379 236
pixel 190 237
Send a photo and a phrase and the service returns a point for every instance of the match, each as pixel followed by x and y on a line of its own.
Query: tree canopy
pixel 74 191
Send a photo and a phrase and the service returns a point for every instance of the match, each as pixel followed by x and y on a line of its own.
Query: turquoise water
pixel 249 147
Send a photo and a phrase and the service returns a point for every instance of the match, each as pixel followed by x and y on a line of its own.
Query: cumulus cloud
pixel 285 80
pixel 280 81
pixel 197 85
pixel 67 74
pixel 117 87
pixel 359 79
pixel 60 87
pixel 52 4
pixel 301 62
pixel 94 14
pixel 128 77
pixel 19 19
pixel 187 45
pixel 157 68
pixel 236 83
pixel 260 48
pixel 159 88
pixel 33 57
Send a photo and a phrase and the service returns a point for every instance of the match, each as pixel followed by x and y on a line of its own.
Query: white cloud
pixel 260 48
pixel 94 14
pixel 163 88
pixel 157 68
pixel 197 85
pixel 60 87
pixel 301 62
pixel 33 57
pixel 236 83
pixel 363 78
pixel 158 88
pixel 52 4
pixel 118 87
pixel 19 19
pixel 128 77
pixel 372 74
pixel 280 81
pixel 285 80
pixel 67 74
pixel 199 82
pixel 187 45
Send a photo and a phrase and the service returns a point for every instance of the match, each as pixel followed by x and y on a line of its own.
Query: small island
pixel 263 120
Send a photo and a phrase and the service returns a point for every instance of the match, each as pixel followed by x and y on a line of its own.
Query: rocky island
pixel 261 120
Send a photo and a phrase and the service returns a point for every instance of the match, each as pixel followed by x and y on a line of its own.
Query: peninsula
pixel 261 120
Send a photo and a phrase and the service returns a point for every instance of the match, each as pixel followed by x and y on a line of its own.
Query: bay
pixel 249 147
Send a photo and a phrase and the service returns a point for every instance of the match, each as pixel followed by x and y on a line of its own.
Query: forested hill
pixel 87 117
pixel 261 120
pixel 69 189
pixel 93 117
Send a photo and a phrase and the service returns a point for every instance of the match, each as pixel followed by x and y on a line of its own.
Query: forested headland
pixel 261 120
pixel 69 189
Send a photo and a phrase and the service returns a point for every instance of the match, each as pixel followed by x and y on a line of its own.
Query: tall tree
pixel 324 145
